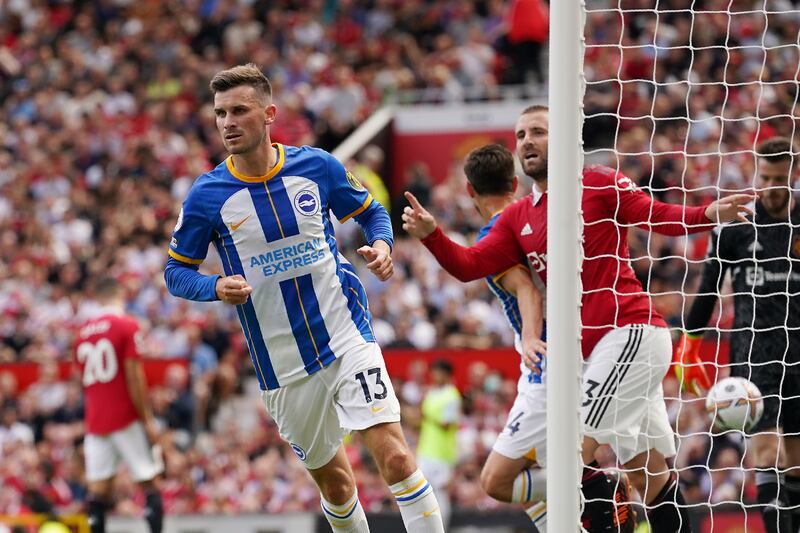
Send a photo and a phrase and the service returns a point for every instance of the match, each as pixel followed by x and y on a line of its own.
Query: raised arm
pixel 672 219
pixel 630 205
pixel 496 252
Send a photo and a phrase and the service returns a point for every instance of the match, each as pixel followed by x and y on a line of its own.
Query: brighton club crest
pixel 306 203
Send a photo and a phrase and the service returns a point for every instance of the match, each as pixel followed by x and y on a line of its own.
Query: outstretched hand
pixel 417 221
pixel 730 208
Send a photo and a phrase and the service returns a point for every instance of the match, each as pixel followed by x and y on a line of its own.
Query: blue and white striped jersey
pixel 308 306
pixel 510 307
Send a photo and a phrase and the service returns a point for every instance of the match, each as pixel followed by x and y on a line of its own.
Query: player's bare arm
pixel 730 208
pixel 379 259
pixel 233 290
pixel 417 221
pixel 137 388
pixel 517 281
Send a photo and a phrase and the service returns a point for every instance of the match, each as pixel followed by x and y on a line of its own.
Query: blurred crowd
pixel 236 464
pixel 678 100
pixel 107 120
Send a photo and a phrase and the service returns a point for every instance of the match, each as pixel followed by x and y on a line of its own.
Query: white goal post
pixel 565 161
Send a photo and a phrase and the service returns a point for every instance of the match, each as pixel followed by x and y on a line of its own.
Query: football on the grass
pixel 734 403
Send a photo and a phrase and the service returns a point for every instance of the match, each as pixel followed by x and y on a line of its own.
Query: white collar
pixel 537 194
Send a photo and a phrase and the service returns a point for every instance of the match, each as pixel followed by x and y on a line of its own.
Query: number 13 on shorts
pixel 379 390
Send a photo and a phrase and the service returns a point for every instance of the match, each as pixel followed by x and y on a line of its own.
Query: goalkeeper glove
pixel 689 368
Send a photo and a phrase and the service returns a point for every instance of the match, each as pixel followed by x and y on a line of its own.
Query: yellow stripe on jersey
pixel 359 210
pixel 255 179
pixel 275 212
pixel 182 258
pixel 305 317
pixel 363 309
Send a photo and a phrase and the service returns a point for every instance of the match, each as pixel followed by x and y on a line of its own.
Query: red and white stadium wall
pixel 442 135
pixel 503 360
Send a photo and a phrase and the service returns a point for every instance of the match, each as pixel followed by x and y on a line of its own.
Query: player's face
pixel 243 118
pixel 531 133
pixel 773 185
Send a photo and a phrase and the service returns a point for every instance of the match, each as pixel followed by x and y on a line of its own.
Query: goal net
pixel 680 97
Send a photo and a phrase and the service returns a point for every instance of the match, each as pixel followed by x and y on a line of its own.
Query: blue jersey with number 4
pixel 510 307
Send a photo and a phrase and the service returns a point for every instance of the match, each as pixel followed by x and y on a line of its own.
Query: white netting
pixel 678 97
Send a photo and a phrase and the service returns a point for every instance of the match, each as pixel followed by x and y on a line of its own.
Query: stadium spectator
pixel 174 404
pixel 368 170
pixel 528 25
pixel 13 431
pixel 437 450
pixel 49 392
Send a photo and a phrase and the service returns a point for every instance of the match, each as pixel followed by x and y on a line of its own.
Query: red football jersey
pixel 612 296
pixel 102 346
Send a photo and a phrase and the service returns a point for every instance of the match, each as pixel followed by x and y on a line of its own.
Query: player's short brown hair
pixel 107 289
pixel 776 149
pixel 239 75
pixel 490 170
pixel 535 109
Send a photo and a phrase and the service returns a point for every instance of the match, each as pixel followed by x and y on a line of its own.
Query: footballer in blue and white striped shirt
pixel 302 308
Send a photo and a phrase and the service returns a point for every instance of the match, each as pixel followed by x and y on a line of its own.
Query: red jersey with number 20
pixel 612 295
pixel 103 345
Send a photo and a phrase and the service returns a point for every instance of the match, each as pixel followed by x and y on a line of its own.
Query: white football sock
pixel 418 505
pixel 530 486
pixel 538 515
pixel 348 517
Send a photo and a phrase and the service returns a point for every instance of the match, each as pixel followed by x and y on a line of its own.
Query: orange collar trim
pixel 256 179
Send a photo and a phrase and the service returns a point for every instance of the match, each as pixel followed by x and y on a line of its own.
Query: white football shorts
pixel 623 402
pixel 525 431
pixel 104 452
pixel 315 413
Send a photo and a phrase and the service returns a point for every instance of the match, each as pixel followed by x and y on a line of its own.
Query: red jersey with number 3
pixel 103 345
pixel 612 295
